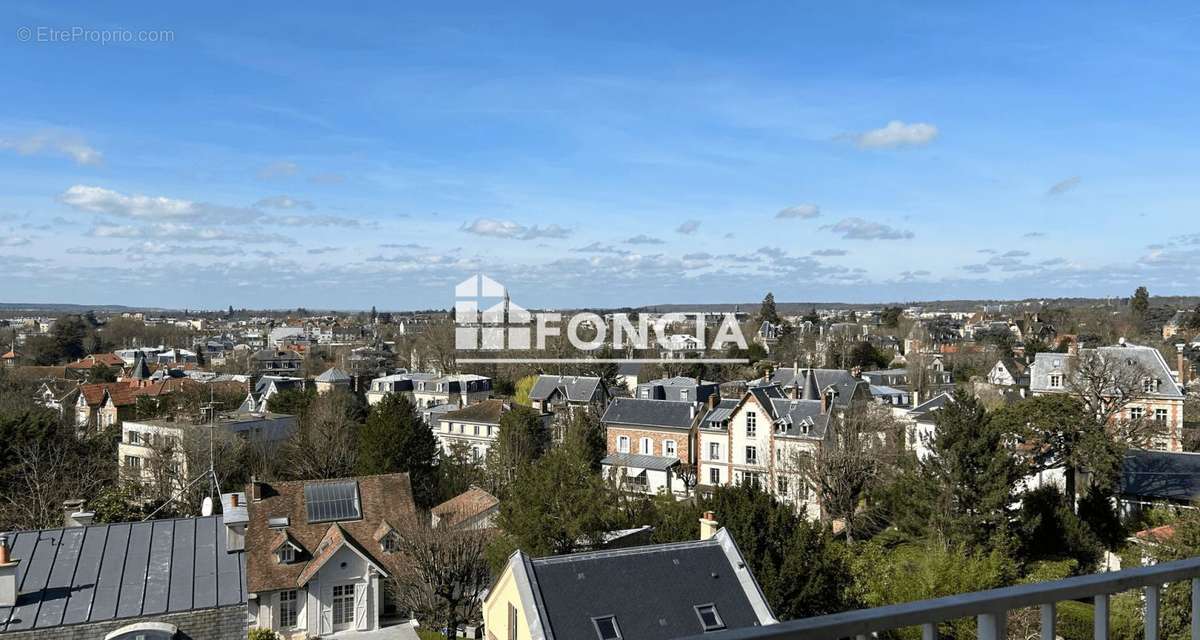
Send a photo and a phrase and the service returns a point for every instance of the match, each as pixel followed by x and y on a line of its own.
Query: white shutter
pixel 360 606
pixel 326 611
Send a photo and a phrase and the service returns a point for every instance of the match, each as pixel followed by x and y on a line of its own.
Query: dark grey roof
pixel 640 461
pixel 839 379
pixel 676 388
pixel 650 413
pixel 573 589
pixel 716 417
pixel 799 417
pixel 140 371
pixel 933 404
pixel 124 570
pixel 574 388
pixel 333 375
pixel 1161 475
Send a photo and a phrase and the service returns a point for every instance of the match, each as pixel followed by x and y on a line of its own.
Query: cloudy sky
pixel 624 154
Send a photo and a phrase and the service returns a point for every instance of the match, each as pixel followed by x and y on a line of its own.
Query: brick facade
pixel 682 438
pixel 225 623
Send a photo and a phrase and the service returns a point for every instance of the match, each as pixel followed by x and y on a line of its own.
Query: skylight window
pixel 332 501
pixel 606 628
pixel 709 618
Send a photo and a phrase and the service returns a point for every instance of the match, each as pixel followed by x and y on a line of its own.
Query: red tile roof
pixel 87 362
pixel 465 506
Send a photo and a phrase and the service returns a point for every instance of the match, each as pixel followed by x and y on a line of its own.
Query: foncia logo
pixel 486 320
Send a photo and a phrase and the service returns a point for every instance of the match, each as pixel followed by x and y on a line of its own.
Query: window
pixel 647 446
pixel 779 455
pixel 343 605
pixel 622 444
pixel 751 455
pixel 714 476
pixel 133 463
pixel 1160 416
pixel 512 622
pixel 751 424
pixel 714 451
pixel 709 618
pixel 1136 413
pixel 683 395
pixel 287 608
pixel 1056 381
pixel 606 628
pixel 781 484
pixel 390 542
pixel 668 447
pixel 133 437
pixel 476 429
pixel 287 554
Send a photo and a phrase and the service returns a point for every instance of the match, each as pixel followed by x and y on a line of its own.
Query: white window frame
pixel 646 446
pixel 751 459
pixel 714 476
pixel 284 602
pixel 714 451
pixel 622 444
pixel 751 424
pixel 669 448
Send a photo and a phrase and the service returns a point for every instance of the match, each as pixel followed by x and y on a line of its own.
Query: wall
pixel 204 624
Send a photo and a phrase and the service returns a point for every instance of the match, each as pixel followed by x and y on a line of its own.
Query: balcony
pixel 990 608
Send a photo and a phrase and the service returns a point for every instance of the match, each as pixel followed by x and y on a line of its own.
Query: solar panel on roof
pixel 330 501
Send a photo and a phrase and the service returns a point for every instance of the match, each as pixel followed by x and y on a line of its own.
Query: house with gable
pixel 320 553
pixel 564 395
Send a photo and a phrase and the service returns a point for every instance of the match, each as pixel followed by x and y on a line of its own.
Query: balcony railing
pixel 991 608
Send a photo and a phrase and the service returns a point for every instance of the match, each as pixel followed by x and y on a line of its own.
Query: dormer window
pixel 1056 381
pixel 287 554
pixel 390 543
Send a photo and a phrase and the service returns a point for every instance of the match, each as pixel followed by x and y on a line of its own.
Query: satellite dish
pixel 206 506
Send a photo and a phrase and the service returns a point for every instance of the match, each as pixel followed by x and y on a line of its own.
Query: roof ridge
pixel 627 551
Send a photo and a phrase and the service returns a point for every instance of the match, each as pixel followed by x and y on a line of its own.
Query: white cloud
pixel 688 227
pixel 187 233
pixel 508 229
pixel 859 229
pixel 283 202
pixel 106 201
pixel 1063 186
pixel 55 142
pixel 281 169
pixel 830 252
pixel 13 241
pixel 643 239
pixel 897 134
pixel 801 211
pixel 313 221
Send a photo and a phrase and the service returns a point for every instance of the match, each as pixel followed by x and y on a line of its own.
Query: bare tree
pixel 1107 382
pixel 46 474
pixel 447 573
pixel 855 456
pixel 326 443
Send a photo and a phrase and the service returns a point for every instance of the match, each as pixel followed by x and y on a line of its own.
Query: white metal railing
pixel 991 608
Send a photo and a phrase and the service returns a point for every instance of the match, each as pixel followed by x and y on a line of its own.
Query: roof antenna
pixel 208 409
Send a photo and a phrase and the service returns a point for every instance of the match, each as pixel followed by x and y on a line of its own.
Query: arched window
pixel 144 631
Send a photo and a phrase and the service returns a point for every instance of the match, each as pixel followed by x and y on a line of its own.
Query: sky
pixel 280 155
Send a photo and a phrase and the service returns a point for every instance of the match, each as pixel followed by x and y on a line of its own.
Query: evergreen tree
pixel 522 438
pixel 767 312
pixel 396 439
pixel 973 473
pixel 557 504
pixel 1139 304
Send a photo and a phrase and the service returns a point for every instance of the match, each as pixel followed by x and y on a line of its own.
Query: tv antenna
pixel 209 410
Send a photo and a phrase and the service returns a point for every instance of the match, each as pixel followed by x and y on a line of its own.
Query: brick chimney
pixel 1182 364
pixel 708 525
pixel 8 575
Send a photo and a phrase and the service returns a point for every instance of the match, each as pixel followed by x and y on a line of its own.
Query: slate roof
pixel 839 379
pixel 640 461
pixel 382 497
pixel 574 388
pixel 333 375
pixel 649 413
pixel 570 590
pixel 1160 475
pixel 1151 359
pixel 801 418
pixel 124 570
pixel 922 410
pixel 675 388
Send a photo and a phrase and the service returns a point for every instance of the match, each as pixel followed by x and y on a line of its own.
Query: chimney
pixel 8 575
pixel 255 489
pixel 1073 348
pixel 1183 365
pixel 713 399
pixel 793 392
pixel 74 515
pixel 233 500
pixel 708 525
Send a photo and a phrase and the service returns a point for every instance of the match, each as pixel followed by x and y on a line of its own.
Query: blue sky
pixel 601 155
